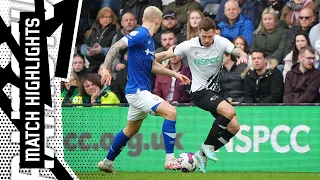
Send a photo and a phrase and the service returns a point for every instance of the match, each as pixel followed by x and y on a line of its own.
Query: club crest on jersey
pixel 133 33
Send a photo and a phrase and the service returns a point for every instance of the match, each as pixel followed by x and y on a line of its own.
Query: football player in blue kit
pixel 141 62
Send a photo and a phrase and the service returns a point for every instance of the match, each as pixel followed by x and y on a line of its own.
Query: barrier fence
pixel 271 138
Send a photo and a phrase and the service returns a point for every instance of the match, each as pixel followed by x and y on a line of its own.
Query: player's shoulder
pixel 140 33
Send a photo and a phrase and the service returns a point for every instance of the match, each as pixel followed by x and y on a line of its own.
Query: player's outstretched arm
pixel 111 55
pixel 241 56
pixel 159 69
pixel 165 55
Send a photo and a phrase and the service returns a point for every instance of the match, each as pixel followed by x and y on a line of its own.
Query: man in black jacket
pixel 263 85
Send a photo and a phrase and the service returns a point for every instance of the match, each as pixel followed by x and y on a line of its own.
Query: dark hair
pixel 246 46
pixel 168 32
pixel 92 77
pixel 206 24
pixel 258 51
pixel 79 55
pixel 295 51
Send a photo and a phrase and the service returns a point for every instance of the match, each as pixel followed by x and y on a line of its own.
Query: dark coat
pixel 104 38
pixel 232 85
pixel 266 88
pixel 302 87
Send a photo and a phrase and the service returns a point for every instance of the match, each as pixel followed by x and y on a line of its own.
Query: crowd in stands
pixel 281 37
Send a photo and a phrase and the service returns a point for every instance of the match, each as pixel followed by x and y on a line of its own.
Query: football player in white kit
pixel 205 56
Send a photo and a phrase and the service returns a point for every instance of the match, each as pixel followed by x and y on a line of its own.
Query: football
pixel 188 161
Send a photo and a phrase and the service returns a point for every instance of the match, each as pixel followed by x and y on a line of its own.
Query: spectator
pixel 137 7
pixel 87 16
pixel 263 85
pixel 232 84
pixel 218 31
pixel 70 89
pixel 306 20
pixel 170 22
pixel 270 36
pixel 191 28
pixel 277 5
pixel 90 92
pixel 168 39
pixel 290 12
pixel 118 85
pixel 303 81
pixel 248 8
pixel 171 89
pixel 182 7
pixel 128 23
pixel 99 38
pixel 236 24
pixel 78 65
pixel 301 41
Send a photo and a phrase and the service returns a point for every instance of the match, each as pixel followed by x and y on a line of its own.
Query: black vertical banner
pixel 33 49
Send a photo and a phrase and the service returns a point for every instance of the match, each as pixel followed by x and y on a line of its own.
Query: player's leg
pixel 225 126
pixel 169 113
pixel 135 117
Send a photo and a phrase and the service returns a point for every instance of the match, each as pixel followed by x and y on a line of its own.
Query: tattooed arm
pixel 113 51
pixel 241 56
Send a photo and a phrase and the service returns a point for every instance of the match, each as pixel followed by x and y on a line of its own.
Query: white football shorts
pixel 140 104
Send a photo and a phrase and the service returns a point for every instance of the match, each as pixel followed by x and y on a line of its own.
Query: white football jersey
pixel 205 63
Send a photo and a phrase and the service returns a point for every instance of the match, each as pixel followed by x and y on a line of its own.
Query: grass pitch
pixel 199 175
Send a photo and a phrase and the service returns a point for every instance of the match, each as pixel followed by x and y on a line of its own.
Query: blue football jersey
pixel 141 53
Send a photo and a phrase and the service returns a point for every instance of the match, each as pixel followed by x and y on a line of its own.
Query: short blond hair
pixel 152 13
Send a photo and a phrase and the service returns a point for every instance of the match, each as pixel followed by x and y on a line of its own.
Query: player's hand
pixel 120 66
pixel 105 76
pixel 242 60
pixel 184 79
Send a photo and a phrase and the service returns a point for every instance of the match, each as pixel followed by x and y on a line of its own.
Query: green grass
pixel 198 175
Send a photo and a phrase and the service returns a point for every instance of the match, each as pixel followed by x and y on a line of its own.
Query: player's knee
pixel 171 113
pixel 235 129
pixel 230 112
pixel 130 131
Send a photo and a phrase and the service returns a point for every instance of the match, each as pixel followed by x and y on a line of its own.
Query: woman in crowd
pixel 98 39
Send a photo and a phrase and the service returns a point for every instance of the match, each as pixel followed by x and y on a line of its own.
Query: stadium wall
pixel 271 139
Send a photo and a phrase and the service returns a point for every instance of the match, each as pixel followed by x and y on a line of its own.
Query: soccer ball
pixel 188 161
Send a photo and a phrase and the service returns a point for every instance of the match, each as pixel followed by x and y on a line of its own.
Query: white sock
pixel 169 156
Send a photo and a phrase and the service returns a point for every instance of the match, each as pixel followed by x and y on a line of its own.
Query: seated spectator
pixel 270 36
pixel 236 24
pixel 168 39
pixel 232 84
pixel 277 5
pixel 301 41
pixel 303 81
pixel 129 23
pixel 70 89
pixel 118 84
pixel 248 8
pixel 191 28
pixel 306 20
pixel 170 23
pixel 290 12
pixel 263 85
pixel 78 65
pixel 171 89
pixel 98 39
pixel 137 7
pixel 183 7
pixel 90 92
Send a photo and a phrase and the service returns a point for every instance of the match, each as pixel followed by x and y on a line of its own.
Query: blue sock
pixel 119 142
pixel 169 135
